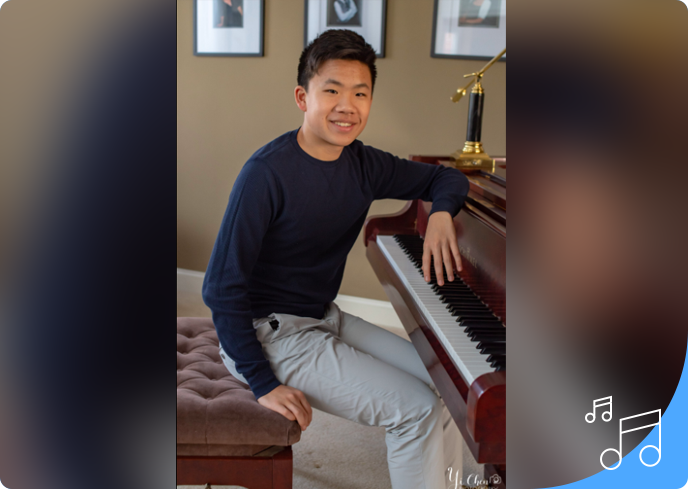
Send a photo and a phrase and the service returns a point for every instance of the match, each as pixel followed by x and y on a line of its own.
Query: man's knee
pixel 422 412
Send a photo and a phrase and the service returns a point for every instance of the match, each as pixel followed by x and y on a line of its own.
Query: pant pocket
pixel 264 330
pixel 284 325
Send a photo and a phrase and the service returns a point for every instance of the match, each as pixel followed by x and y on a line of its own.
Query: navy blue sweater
pixel 289 225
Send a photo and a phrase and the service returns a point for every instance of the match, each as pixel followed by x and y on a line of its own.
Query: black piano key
pixel 499 364
pixel 493 344
pixel 468 308
pixel 464 316
pixel 489 350
pixel 459 315
pixel 447 299
pixel 486 338
pixel 493 357
pixel 449 287
pixel 481 334
pixel 469 320
pixel 489 333
pixel 483 327
pixel 460 297
pixel 469 317
pixel 458 294
pixel 457 283
pixel 467 311
pixel 462 300
pixel 454 305
pixel 481 322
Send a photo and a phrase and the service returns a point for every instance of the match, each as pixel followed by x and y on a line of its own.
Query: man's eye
pixel 361 94
pixel 331 90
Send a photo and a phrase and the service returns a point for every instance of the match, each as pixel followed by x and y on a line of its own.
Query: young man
pixel 294 213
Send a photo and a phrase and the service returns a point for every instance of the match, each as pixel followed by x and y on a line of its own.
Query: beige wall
pixel 229 107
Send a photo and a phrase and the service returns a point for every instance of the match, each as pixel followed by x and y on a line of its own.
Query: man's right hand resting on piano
pixel 440 243
pixel 290 403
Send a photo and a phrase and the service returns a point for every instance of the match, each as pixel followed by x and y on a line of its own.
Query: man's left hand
pixel 440 244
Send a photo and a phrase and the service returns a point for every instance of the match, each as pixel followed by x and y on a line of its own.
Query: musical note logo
pixel 597 403
pixel 619 452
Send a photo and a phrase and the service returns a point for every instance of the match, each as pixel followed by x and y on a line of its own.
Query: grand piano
pixel 459 329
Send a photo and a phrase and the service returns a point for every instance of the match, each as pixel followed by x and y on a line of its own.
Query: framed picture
pixel 365 17
pixel 469 29
pixel 228 27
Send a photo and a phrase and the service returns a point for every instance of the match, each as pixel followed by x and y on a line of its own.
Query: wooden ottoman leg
pixel 282 469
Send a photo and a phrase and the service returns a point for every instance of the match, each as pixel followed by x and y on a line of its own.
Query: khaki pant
pixel 350 368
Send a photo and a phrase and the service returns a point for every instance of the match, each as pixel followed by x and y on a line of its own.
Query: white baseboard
pixel 189 280
pixel 374 311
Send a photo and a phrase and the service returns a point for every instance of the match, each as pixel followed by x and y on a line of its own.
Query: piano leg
pixel 494 473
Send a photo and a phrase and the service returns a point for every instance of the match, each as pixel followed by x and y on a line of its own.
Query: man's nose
pixel 345 104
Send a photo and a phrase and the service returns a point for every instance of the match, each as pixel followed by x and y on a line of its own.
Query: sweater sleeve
pixel 253 204
pixel 397 178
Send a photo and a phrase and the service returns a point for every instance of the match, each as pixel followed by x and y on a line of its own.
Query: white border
pixel 371 29
pixel 452 40
pixel 228 40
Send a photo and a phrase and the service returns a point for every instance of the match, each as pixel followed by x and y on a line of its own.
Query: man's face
pixel 336 107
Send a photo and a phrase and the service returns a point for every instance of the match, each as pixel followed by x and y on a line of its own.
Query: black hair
pixel 335 44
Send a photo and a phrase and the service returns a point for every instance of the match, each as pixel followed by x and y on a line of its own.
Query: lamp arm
pixel 462 91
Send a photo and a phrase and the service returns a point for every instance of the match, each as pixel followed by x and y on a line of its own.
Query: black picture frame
pixel 487 39
pixel 207 37
pixel 321 21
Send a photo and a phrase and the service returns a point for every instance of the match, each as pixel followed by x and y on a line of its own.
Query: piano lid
pixel 487 186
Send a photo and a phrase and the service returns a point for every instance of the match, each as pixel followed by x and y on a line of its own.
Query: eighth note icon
pixel 597 403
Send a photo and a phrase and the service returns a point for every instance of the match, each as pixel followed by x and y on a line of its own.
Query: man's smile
pixel 343 126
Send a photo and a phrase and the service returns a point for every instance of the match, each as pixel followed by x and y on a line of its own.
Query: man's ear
pixel 300 97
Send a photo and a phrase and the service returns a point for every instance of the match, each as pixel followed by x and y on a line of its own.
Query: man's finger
pixel 426 263
pixel 438 266
pixel 306 405
pixel 286 413
pixel 447 257
pixel 457 256
pixel 299 412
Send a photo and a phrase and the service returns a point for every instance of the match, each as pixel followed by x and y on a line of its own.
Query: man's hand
pixel 290 403
pixel 440 243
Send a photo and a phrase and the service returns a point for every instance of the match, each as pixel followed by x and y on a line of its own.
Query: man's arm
pixel 225 288
pixel 252 205
pixel 397 178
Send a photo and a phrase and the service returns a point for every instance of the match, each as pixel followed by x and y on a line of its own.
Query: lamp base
pixel 473 156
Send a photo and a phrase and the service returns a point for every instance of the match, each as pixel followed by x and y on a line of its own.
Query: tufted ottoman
pixel 224 436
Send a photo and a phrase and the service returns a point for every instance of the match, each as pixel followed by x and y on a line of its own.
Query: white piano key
pixel 462 351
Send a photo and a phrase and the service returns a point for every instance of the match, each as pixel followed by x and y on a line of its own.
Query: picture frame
pixel 366 17
pixel 468 29
pixel 229 27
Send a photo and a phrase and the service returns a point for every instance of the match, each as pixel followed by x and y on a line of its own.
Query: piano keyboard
pixel 471 334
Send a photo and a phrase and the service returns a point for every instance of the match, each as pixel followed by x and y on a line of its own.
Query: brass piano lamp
pixel 473 154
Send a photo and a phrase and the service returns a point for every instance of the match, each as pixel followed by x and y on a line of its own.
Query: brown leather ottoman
pixel 224 436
